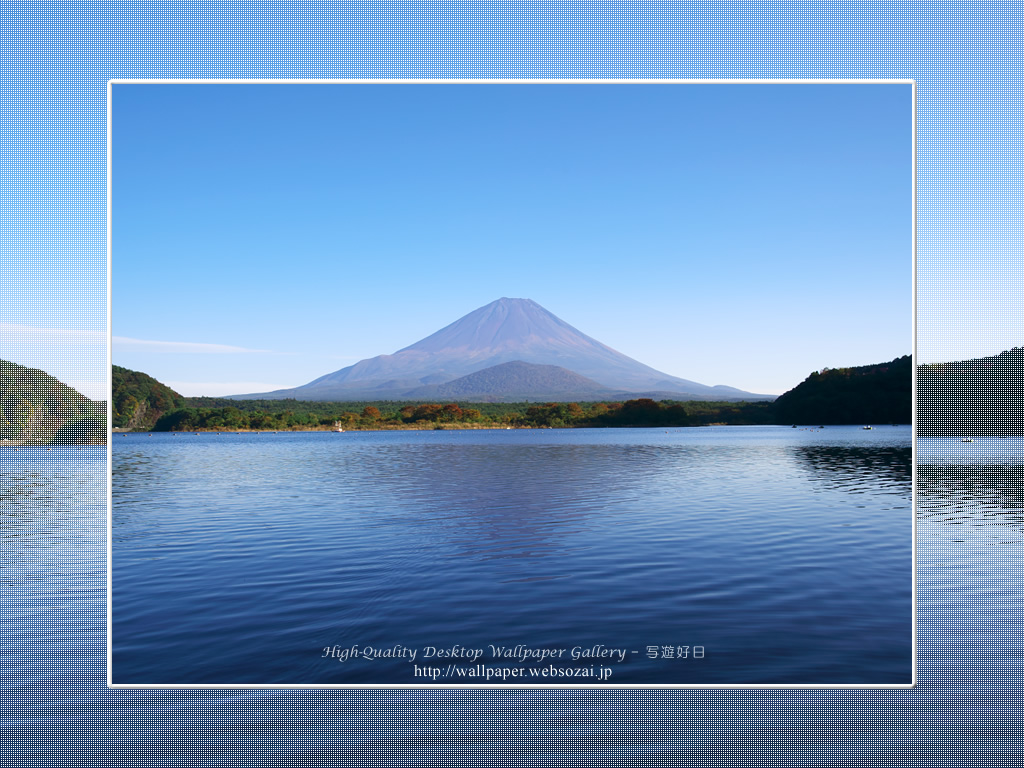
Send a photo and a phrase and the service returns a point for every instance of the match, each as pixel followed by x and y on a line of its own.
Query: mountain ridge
pixel 516 381
pixel 879 393
pixel 504 331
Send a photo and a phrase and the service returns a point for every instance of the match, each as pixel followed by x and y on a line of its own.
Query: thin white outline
pixel 504 686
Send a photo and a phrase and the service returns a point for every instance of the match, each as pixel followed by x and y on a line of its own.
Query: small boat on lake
pixel 337 427
pixel 867 427
pixel 967 440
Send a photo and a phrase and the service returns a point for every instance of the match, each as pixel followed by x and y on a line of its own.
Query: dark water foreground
pixel 727 556
pixel 963 711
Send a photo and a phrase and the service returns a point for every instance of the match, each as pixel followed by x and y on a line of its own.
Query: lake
pixel 57 710
pixel 697 556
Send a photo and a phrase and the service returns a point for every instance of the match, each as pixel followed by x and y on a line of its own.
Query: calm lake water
pixel 730 555
pixel 965 710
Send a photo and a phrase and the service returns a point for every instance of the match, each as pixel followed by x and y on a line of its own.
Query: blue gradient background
pixel 56 59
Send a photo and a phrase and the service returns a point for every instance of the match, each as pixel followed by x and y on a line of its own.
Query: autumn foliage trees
pixel 139 400
pixel 268 415
pixel 879 393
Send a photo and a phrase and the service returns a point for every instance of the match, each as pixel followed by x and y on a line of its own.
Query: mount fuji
pixel 554 361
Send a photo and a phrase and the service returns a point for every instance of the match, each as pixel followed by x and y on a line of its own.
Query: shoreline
pixel 30 444
pixel 388 428
pixel 453 428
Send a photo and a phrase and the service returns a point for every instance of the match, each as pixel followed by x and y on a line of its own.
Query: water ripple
pixel 286 544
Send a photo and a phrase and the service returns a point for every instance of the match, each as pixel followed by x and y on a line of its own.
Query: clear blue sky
pixel 264 235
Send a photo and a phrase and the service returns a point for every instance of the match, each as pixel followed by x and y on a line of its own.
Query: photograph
pixel 676 451
pixel 511 384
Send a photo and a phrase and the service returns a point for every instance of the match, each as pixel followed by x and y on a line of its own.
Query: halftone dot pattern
pixel 55 63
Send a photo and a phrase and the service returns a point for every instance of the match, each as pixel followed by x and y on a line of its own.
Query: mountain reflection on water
pixel 742 540
pixel 55 611
pixel 513 501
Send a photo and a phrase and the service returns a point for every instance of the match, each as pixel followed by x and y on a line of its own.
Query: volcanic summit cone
pixel 504 331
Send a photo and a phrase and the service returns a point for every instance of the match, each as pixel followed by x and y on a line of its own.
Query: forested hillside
pixel 972 397
pixel 871 394
pixel 37 409
pixel 866 394
pixel 139 400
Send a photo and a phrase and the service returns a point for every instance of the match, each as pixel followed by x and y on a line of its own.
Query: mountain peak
pixel 501 326
pixel 506 330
